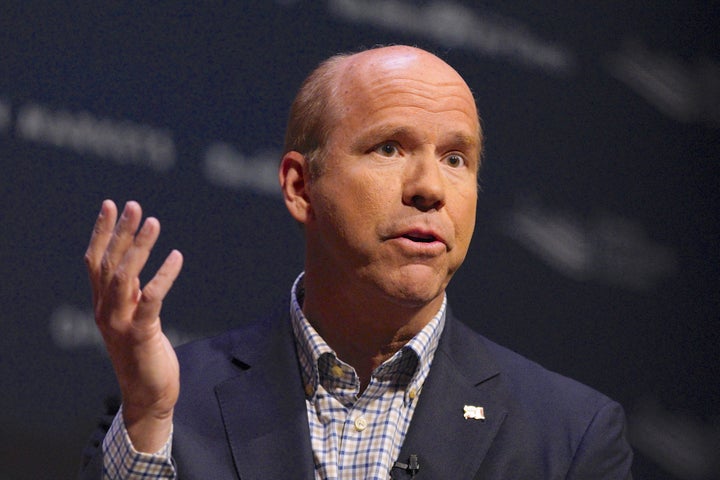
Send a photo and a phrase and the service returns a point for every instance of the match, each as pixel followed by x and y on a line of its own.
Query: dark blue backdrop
pixel 596 250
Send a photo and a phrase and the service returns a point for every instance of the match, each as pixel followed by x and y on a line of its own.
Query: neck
pixel 363 330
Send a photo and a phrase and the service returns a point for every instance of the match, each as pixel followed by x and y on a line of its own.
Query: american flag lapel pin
pixel 471 412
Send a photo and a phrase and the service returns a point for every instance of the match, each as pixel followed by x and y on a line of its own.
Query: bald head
pixel 398 60
pixel 343 81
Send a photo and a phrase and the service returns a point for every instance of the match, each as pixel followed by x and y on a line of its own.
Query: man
pixel 369 376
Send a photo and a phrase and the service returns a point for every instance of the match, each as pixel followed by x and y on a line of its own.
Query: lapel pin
pixel 473 412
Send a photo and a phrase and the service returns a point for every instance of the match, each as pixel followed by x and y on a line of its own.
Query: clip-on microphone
pixel 412 467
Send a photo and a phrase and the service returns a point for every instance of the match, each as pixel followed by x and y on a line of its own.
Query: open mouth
pixel 420 238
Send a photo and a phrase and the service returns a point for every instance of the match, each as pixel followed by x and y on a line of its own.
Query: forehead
pixel 405 86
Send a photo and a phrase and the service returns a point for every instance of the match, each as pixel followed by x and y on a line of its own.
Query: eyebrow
pixel 464 141
pixel 457 139
pixel 379 133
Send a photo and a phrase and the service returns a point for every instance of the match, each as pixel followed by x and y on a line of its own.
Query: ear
pixel 294 175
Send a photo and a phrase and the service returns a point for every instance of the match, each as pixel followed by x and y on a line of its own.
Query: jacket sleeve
pixel 91 465
pixel 604 452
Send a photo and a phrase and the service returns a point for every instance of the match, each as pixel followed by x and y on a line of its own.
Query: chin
pixel 416 289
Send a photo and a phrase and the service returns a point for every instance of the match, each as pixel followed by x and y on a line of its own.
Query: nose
pixel 424 183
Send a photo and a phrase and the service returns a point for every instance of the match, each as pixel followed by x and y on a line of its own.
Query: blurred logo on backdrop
pixel 82 132
pixel 686 92
pixel 126 142
pixel 606 248
pixel 72 328
pixel 454 25
pixel 679 442
pixel 226 166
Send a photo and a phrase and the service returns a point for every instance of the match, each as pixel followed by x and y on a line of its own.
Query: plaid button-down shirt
pixel 354 435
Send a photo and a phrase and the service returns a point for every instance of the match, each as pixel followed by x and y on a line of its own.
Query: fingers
pixel 121 240
pixel 125 279
pixel 102 231
pixel 154 292
pixel 115 257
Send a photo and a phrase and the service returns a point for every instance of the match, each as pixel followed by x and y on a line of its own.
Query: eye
pixel 455 161
pixel 387 149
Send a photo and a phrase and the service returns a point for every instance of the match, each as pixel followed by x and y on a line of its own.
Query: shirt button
pixel 337 371
pixel 309 390
pixel 412 394
pixel 360 424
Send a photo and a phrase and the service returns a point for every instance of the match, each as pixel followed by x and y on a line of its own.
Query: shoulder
pixel 548 416
pixel 530 389
pixel 529 379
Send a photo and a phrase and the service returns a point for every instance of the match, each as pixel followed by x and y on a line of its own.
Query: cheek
pixel 368 196
pixel 465 218
pixel 351 210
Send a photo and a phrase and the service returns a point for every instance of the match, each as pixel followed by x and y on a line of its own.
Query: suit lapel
pixel 263 408
pixel 264 413
pixel 447 444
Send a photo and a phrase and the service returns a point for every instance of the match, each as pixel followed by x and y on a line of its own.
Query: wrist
pixel 149 432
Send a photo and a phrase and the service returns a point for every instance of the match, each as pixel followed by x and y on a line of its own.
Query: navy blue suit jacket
pixel 241 414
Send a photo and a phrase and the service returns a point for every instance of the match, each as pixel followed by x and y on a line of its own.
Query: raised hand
pixel 128 316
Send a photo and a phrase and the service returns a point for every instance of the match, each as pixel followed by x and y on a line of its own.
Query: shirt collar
pixel 413 360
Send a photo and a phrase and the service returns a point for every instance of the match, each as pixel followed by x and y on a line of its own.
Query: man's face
pixel 394 210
